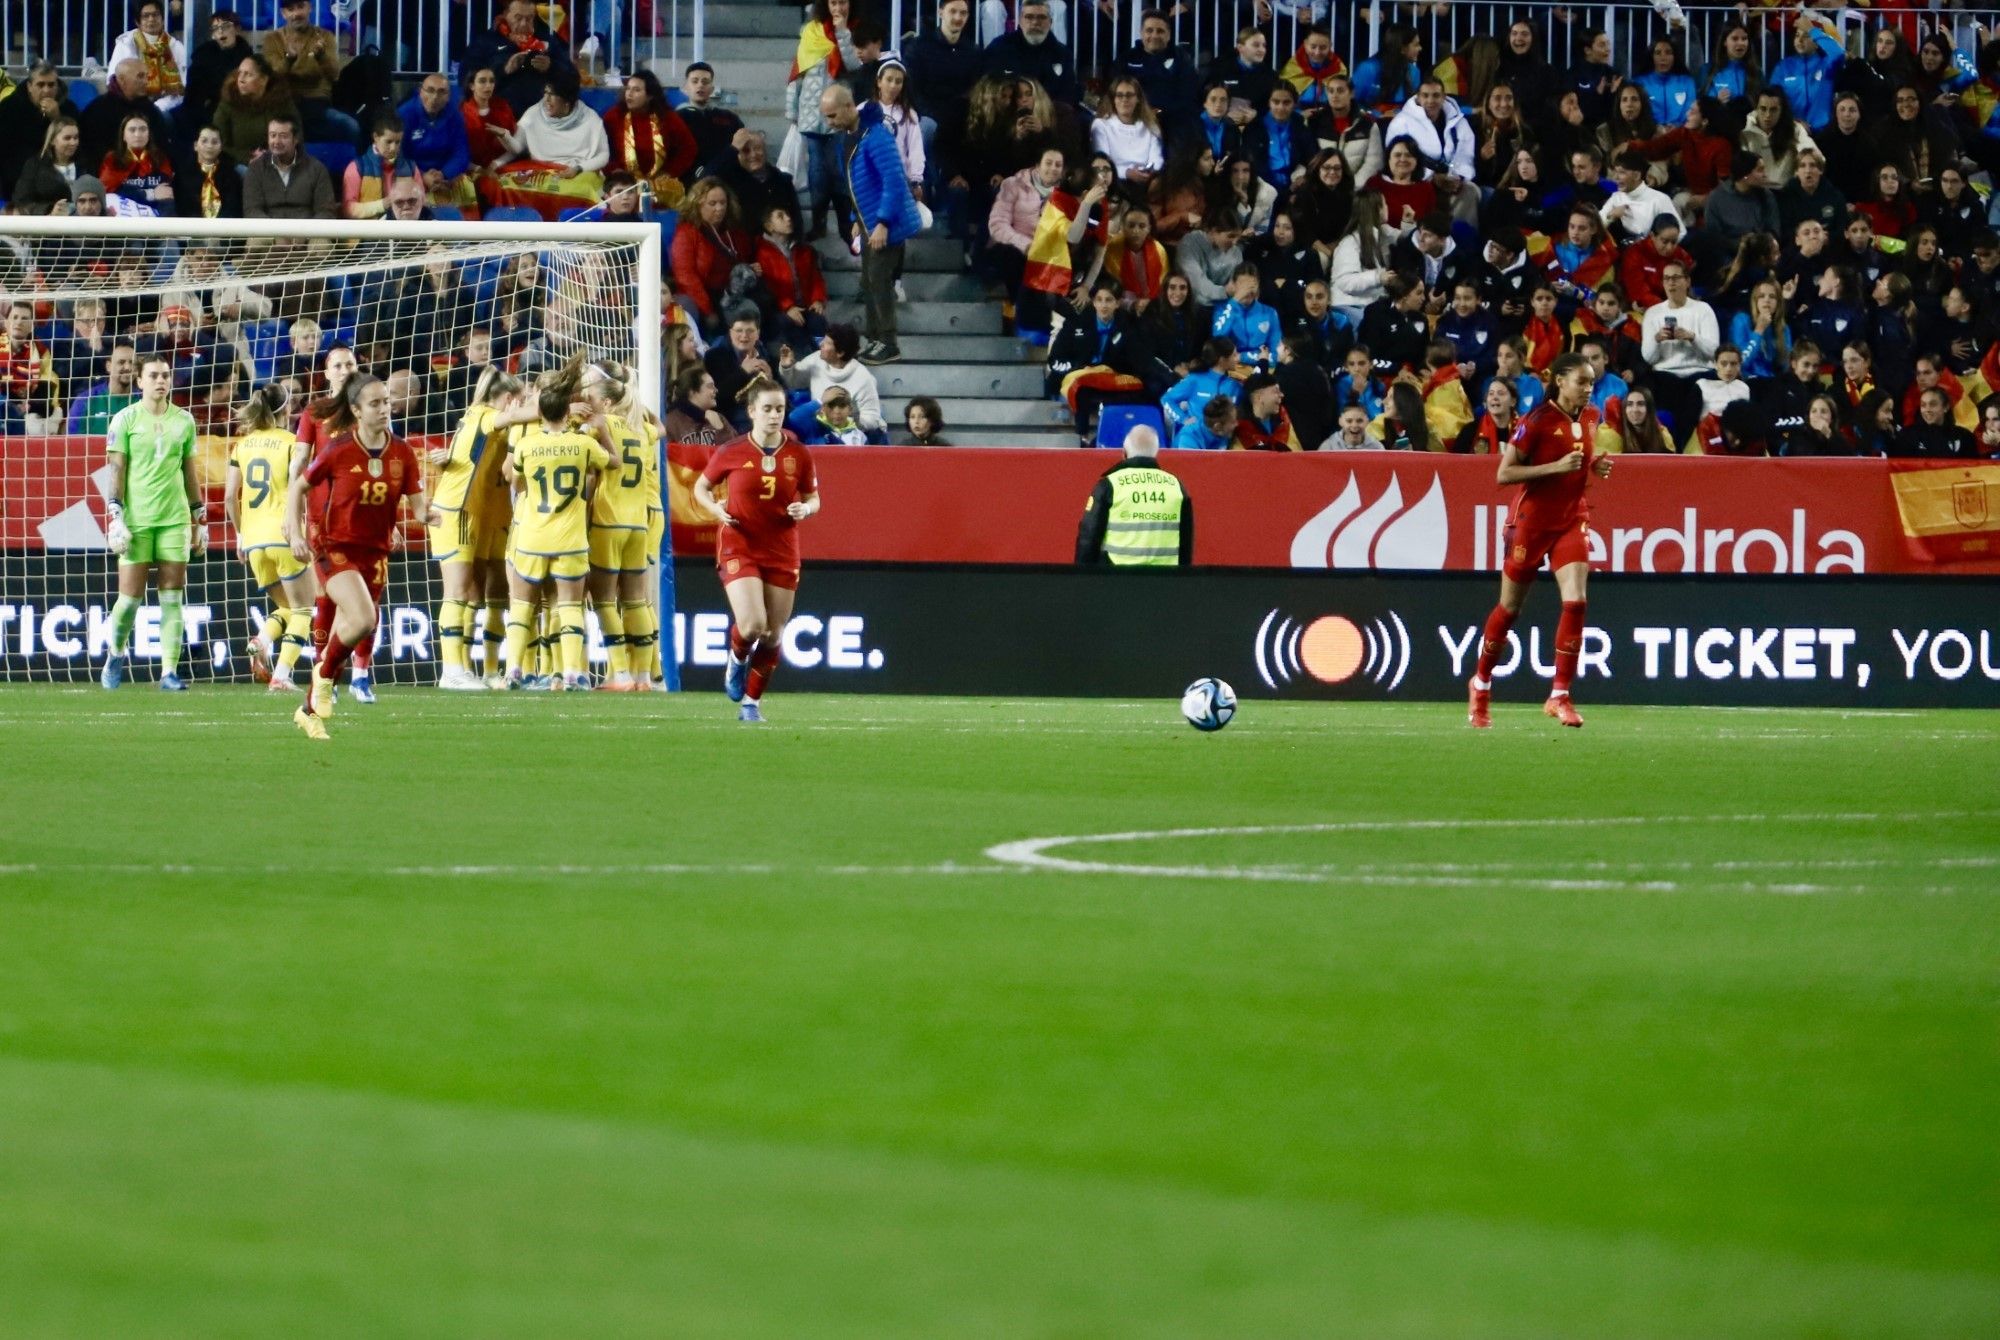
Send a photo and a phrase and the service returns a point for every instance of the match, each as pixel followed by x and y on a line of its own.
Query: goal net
pixel 236 304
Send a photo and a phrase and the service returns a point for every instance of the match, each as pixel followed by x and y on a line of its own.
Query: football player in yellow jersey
pixel 253 497
pixel 554 472
pixel 620 528
pixel 469 470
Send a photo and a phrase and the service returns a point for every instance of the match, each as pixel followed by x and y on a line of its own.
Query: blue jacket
pixel 1474 337
pixel 1763 355
pixel 1254 328
pixel 1670 96
pixel 1807 81
pixel 1370 397
pixel 875 180
pixel 1184 400
pixel 1368 89
pixel 1194 436
pixel 1528 392
pixel 435 143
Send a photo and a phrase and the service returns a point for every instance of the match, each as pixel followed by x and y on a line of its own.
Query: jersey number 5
pixel 634 468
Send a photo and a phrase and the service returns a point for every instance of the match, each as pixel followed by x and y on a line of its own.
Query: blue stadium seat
pixel 336 156
pixel 448 213
pixel 82 92
pixel 512 214
pixel 602 100
pixel 267 344
pixel 800 420
pixel 1115 421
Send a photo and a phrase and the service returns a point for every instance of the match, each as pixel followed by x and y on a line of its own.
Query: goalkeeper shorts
pixel 617 549
pixel 159 544
pixel 272 564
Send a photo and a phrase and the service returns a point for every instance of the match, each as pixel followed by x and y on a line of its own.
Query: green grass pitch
pixel 578 1016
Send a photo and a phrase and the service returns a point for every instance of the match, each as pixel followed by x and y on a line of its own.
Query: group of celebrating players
pixel 548 493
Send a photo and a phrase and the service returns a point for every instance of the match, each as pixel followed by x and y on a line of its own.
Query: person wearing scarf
pixel 1136 260
pixel 1096 360
pixel 565 153
pixel 139 172
pixel 1263 425
pixel 825 52
pixel 1311 66
pixel 524 55
pixel 1447 407
pixel 648 139
pixel 163 55
pixel 207 185
pixel 364 189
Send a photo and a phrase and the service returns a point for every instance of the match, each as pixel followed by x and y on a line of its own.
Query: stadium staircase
pixel 988 384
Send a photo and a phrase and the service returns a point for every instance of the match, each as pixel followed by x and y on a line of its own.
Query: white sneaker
pixel 901 296
pixel 456 680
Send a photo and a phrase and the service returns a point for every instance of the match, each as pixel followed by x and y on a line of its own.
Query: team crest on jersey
pixel 1576 429
pixel 374 469
pixel 395 472
pixel 734 564
pixel 337 557
pixel 791 466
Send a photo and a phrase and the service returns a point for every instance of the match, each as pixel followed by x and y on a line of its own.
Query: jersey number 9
pixel 566 480
pixel 258 477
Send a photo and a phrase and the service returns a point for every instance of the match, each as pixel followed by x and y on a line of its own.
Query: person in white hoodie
pixel 1445 142
pixel 836 364
pixel 1361 258
pixel 563 136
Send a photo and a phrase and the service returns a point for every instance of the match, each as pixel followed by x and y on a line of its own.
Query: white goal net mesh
pixel 424 307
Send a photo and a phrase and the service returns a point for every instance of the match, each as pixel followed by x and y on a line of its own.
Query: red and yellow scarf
pixel 163 77
pixel 816 43
pixel 528 43
pixel 1253 436
pixel 1142 272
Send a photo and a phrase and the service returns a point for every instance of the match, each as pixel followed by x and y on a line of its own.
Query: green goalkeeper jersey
pixel 154 446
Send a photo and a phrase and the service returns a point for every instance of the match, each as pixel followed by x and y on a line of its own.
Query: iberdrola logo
pixel 1385 533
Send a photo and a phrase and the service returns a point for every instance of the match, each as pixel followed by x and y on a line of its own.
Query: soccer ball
pixel 1208 704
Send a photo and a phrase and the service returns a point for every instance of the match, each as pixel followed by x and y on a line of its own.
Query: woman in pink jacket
pixel 1016 212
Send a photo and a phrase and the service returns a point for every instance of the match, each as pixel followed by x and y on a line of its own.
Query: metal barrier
pixel 77 35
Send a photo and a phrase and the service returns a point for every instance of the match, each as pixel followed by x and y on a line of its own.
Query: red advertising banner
pixel 1383 510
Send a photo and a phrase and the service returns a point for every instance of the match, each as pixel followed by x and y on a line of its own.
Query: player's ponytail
pixel 756 387
pixel 265 408
pixel 494 383
pixel 557 390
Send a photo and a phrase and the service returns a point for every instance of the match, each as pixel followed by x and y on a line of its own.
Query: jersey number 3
pixel 770 490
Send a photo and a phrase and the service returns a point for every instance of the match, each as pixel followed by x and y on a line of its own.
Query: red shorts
pixel 738 567
pixel 1562 546
pixel 372 565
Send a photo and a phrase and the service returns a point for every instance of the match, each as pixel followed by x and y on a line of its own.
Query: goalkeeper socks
pixel 1494 644
pixel 617 655
pixel 762 662
pixel 170 631
pixel 569 625
pixel 451 635
pixel 520 614
pixel 298 631
pixel 1569 644
pixel 124 613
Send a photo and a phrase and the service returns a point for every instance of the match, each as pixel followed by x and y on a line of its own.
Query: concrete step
pixel 772 52
pixel 949 350
pixel 973 381
pixel 979 412
pixel 954 287
pixel 750 21
pixel 939 318
pixel 925 254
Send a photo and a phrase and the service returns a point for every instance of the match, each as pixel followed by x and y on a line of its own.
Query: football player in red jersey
pixel 342 514
pixel 320 422
pixel 768 487
pixel 1552 457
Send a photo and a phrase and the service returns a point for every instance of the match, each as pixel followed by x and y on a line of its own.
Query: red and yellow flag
pixel 1950 510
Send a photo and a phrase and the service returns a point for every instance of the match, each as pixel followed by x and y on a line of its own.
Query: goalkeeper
pixel 157 516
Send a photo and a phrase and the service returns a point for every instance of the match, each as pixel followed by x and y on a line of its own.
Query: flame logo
pixel 1385 534
pixel 1332 649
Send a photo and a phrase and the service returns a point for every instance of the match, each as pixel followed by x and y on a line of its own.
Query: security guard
pixel 1138 515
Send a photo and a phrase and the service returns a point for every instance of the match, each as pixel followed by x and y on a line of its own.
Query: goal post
pixel 233 304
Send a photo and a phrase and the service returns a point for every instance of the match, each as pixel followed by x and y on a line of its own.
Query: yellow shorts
pixel 451 538
pixel 271 564
pixel 656 531
pixel 538 568
pixel 489 537
pixel 617 549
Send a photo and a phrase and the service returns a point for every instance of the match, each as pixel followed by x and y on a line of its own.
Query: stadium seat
pixel 512 214
pixel 800 420
pixel 602 100
pixel 82 93
pixel 1115 421
pixel 336 156
pixel 447 213
pixel 266 340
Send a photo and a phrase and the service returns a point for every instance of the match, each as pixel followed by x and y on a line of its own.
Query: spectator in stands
pixel 564 152
pixel 1312 69
pixel 1389 78
pixel 249 103
pixel 27 373
pixel 1097 359
pixel 945 63
pixel 1322 206
pixel 1209 257
pixel 733 362
pixel 923 421
pixel 80 345
pixel 1471 331
pixel 306 57
pixel 1678 339
pixel 208 183
pixel 1033 51
pixel 834 424
pixel 1490 432
pixel 1128 132
pixel 434 142
pixel 286 184
pixel 137 169
pixel 1212 125
pixel 1810 194
pixel 792 276
pixel 836 364
pixel 1278 145
pixel 1135 260
pixel 1308 395
pixel 1363 259
pixel 1641 264
pixel 1431 254
pixel 524 54
pixel 1935 434
pixel 1737 209
pixel 1174 328
pixel 1343 128
pixel 899 120
pixel 1727 386
pixel 1168 74
pixel 213 65
pixel 1394 327
pixel 206 284
pixel 1776 137
pixel 45 183
pixel 754 180
pixel 709 244
pixel 490 124
pixel 90 413
pixel 1700 147
pixel 163 56
pixel 1630 211
pixel 1444 144
pixel 885 214
pixel 1216 371
pixel 25 118
pixel 1245 197
pixel 1211 429
pixel 714 127
pixel 518 305
pixel 1251 324
pixel 826 48
pixel 1262 423
pixel 1179 195
pixel 648 140
pixel 406 202
pixel 1245 75
pixel 364 191
pixel 125 94
pixel 1631 121
pixel 1405 190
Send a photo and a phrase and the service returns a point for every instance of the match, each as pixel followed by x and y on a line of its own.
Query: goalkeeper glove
pixel 119 536
pixel 198 527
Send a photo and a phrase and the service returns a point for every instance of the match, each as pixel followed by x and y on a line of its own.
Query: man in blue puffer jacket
pixel 884 211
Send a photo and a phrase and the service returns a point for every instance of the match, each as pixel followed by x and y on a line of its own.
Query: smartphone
pixel 1669 322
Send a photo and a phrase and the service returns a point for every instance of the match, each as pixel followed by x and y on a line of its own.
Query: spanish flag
pixel 1048 269
pixel 690 529
pixel 1950 511
pixel 816 44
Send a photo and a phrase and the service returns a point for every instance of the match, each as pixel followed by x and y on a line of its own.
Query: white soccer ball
pixel 1208 704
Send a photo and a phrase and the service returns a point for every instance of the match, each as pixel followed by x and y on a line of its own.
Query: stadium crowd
pixel 1282 251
